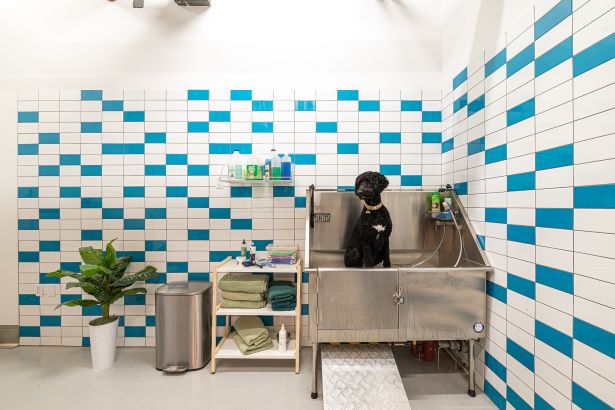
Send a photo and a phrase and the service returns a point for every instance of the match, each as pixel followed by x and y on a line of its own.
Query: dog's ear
pixel 381 181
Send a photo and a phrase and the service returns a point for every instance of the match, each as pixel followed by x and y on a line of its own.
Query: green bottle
pixel 244 248
pixel 435 202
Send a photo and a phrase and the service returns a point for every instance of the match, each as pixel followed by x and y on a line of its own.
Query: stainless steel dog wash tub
pixel 434 290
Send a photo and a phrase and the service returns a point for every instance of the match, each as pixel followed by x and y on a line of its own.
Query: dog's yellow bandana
pixel 370 208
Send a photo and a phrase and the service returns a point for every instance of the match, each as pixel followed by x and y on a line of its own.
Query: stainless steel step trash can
pixel 183 326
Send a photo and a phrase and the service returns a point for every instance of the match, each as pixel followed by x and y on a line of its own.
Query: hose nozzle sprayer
pixel 447 206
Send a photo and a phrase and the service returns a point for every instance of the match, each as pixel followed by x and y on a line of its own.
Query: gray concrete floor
pixel 60 377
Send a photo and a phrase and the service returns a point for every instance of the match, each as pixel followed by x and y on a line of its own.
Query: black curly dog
pixel 369 243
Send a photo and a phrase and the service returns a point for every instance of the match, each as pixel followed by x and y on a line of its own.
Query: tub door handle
pixel 398 299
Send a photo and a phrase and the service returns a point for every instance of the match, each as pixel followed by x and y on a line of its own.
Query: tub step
pixel 361 376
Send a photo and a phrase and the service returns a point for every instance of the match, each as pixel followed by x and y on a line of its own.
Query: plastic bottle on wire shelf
pixel 238 166
pixel 254 167
pixel 286 167
pixel 276 165
pixel 232 165
pixel 267 167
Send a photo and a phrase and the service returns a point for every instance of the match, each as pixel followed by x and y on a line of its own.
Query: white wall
pixel 473 28
pixel 235 43
pixel 568 107
pixel 280 42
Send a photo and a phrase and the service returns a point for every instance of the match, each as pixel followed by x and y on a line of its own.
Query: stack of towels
pixel 282 295
pixel 281 255
pixel 240 290
pixel 251 335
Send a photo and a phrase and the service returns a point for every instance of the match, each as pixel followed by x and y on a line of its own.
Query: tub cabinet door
pixel 442 304
pixel 357 305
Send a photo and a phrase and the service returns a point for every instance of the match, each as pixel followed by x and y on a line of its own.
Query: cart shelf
pixel 229 350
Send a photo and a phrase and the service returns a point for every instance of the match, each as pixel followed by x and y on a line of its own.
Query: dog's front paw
pixel 353 258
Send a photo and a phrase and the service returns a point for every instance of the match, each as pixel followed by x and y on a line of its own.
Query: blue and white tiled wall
pixel 143 166
pixel 529 139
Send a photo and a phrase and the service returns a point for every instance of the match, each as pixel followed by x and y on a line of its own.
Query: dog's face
pixel 369 185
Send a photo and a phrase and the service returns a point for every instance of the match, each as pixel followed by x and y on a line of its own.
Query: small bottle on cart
pixel 244 248
pixel 282 339
pixel 252 252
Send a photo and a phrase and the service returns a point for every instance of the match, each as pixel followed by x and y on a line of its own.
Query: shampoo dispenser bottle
pixel 282 339
pixel 232 166
pixel 276 165
pixel 267 167
pixel 286 167
pixel 435 202
pixel 238 166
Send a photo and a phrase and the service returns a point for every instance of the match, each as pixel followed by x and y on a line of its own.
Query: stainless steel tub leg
pixel 471 388
pixel 314 394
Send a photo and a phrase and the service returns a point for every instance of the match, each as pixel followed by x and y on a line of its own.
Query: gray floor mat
pixel 361 377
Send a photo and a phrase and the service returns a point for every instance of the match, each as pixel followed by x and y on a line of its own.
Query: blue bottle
pixel 286 167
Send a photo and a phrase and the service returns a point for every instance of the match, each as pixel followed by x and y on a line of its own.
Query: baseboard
pixel 9 336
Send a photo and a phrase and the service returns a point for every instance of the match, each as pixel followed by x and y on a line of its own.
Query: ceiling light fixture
pixel 138 4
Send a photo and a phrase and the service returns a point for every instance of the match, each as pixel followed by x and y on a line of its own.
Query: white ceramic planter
pixel 102 345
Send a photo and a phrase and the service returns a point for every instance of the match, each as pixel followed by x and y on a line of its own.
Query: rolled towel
pixel 252 297
pixel 242 304
pixel 245 349
pixel 251 329
pixel 242 282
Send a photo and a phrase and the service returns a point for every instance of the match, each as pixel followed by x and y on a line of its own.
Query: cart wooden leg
pixel 314 394
pixel 298 320
pixel 214 305
pixel 297 343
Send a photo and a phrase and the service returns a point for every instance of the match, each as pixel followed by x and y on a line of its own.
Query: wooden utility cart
pixel 227 349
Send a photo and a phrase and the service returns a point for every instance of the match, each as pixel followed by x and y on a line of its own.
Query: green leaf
pixel 119 268
pixel 99 321
pixel 92 256
pixel 62 273
pixel 81 302
pixel 71 285
pixel 111 256
pixel 96 291
pixel 147 273
pixel 122 293
pixel 91 270
pixel 121 262
pixel 134 291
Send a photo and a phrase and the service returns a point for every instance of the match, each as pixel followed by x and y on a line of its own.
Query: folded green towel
pixel 243 304
pixel 282 298
pixel 251 329
pixel 253 297
pixel 282 251
pixel 242 282
pixel 284 305
pixel 245 349
pixel 281 290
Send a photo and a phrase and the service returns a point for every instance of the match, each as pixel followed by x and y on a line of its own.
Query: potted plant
pixel 102 276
